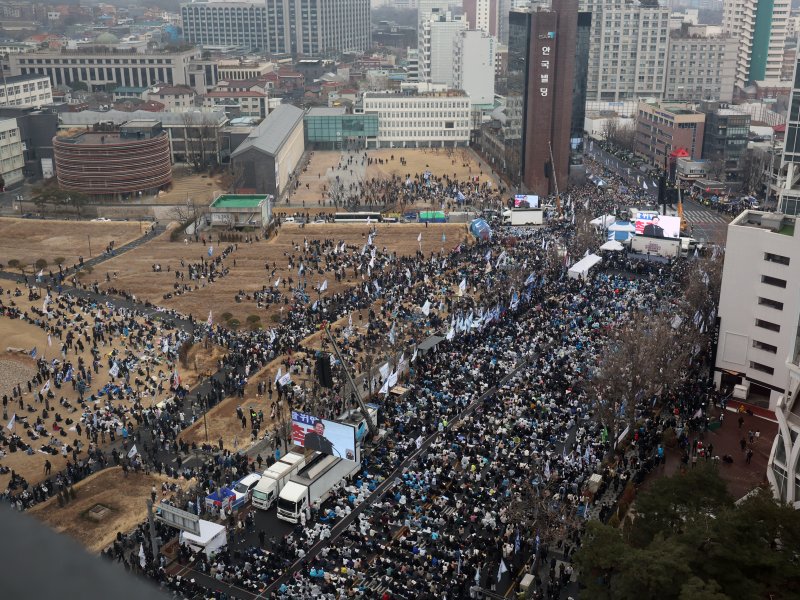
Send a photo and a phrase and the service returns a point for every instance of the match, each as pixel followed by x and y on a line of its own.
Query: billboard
pixel 328 437
pixel 660 226
pixel 523 201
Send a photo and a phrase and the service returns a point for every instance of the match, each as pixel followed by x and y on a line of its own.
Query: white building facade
pixel 762 36
pixel 26 90
pixel 225 24
pixel 628 50
pixel 436 42
pixel 11 157
pixel 435 120
pixel 474 65
pixel 700 67
pixel 759 305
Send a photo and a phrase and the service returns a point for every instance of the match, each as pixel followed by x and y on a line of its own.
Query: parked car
pixel 244 487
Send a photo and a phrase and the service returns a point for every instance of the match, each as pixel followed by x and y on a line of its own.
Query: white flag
pixel 392 381
pixel 210 320
pixel 324 286
pixel 278 375
pixel 133 451
pixel 40 273
pixel 11 422
pixel 286 379
pixel 45 388
pixel 385 388
pixel 277 281
pixel 414 356
pixel 142 560
pixel 462 287
pixel 501 569
pixel 426 308
pixel 114 370
pixel 49 340
pixel 451 334
pixel 419 237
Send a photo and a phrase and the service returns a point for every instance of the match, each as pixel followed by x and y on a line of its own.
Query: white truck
pixel 274 478
pixel 666 247
pixel 313 485
pixel 527 216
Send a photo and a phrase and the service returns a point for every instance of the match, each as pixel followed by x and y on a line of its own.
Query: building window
pixel 768 325
pixel 771 303
pixel 765 347
pixel 776 258
pixel 763 368
pixel 781 283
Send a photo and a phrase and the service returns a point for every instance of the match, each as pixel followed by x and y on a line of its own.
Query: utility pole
pixel 360 401
pixel 152 521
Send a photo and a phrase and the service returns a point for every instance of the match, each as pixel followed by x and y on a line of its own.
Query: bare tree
pixel 537 508
pixel 752 166
pixel 199 133
pixel 715 169
pixel 336 193
pixel 620 135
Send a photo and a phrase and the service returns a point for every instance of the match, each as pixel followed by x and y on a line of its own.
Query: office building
pixel 11 153
pixel 700 66
pixel 760 28
pixel 37 127
pixel 318 27
pixel 725 136
pixel 241 25
pixel 482 15
pixel 759 307
pixel 436 42
pixel 475 66
pixel 26 91
pixel 98 67
pixel 335 129
pixel 422 120
pixel 789 192
pixel 114 162
pixel 583 43
pixel 269 155
pixel 664 128
pixel 628 50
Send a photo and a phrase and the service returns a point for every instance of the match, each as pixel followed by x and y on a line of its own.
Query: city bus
pixel 357 217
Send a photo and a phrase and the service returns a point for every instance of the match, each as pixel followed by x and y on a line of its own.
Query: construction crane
pixel 361 405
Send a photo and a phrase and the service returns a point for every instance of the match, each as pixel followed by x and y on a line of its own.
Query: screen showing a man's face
pixel 319 428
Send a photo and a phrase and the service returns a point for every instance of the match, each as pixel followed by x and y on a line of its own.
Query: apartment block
pixel 700 66
pixel 628 49
pixel 26 91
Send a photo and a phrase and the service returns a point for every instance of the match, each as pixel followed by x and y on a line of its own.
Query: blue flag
pixel 33 352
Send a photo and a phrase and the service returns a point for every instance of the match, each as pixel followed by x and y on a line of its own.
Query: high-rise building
pixel 628 52
pixel 664 128
pixel 528 138
pixel 482 15
pixel 475 66
pixel 309 27
pixel 439 33
pixel 789 193
pixel 224 24
pixel 760 27
pixel 700 66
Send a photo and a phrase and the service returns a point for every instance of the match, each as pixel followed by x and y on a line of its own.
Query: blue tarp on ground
pixel 480 229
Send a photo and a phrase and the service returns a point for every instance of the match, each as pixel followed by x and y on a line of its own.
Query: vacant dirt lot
pixel 28 240
pixel 125 497
pixel 133 271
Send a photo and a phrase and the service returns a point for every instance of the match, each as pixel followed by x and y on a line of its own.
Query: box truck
pixel 527 216
pixel 313 485
pixel 275 477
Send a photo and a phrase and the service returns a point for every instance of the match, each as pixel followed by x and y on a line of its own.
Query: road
pixel 708 225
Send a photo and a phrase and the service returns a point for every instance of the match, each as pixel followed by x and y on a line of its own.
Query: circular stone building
pixel 114 162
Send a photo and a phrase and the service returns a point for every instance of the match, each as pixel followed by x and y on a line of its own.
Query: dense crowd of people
pixel 500 408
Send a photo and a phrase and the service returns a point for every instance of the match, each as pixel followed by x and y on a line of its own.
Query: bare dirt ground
pixel 134 272
pixel 457 163
pixel 125 497
pixel 199 188
pixel 28 240
pixel 315 175
pixel 15 333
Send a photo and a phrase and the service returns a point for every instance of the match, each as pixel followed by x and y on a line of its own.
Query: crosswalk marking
pixel 702 216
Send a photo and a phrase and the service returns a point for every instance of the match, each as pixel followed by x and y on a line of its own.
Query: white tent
pixel 580 270
pixel 612 245
pixel 212 537
pixel 603 221
pixel 629 227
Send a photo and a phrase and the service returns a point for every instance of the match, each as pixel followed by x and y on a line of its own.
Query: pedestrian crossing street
pixel 705 216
